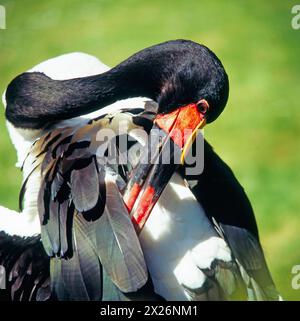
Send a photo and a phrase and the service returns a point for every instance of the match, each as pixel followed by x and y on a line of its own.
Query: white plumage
pixel 177 239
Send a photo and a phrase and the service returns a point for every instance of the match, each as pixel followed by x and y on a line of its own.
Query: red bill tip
pixel 145 206
pixel 132 196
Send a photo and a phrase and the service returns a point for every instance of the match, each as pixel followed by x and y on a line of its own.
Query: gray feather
pixel 122 257
pixel 85 187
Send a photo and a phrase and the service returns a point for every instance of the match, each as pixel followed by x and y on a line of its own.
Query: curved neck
pixel 145 74
pixel 169 73
pixel 35 100
pixel 127 80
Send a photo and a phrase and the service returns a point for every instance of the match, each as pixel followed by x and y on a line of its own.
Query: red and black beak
pixel 178 129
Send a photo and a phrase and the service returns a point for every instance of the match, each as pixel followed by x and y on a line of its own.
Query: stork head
pixel 193 92
pixel 196 77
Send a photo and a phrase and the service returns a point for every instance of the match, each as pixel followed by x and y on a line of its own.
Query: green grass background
pixel 257 135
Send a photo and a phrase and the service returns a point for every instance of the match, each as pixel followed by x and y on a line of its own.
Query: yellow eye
pixel 202 106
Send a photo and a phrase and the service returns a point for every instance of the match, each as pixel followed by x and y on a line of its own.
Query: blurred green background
pixel 257 135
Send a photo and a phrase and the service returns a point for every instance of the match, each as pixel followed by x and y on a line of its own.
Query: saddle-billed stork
pixel 186 238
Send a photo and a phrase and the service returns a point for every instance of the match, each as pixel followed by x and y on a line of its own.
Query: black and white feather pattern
pixel 230 212
pixel 87 233
pixel 26 269
pixel 85 226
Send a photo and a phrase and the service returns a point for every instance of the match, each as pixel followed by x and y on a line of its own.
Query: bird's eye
pixel 202 106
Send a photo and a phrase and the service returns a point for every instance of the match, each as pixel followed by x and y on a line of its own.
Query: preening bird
pixel 136 230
